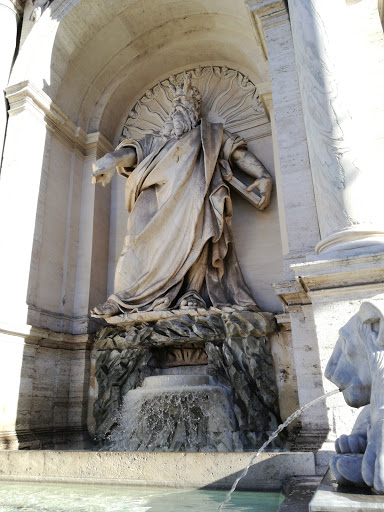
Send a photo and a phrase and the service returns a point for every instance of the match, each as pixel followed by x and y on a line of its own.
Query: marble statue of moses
pixel 178 251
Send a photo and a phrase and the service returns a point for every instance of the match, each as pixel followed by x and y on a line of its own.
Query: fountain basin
pixel 158 469
pixel 39 496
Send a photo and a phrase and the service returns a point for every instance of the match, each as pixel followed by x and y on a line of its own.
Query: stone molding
pixel 284 320
pixel 291 294
pixel 270 13
pixel 25 96
pixel 340 272
pixel 266 14
pixel 333 279
pixel 58 322
pixel 29 335
pixel 173 470
pixel 265 93
pixel 352 238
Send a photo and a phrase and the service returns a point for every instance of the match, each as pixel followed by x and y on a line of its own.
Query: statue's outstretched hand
pixel 104 169
pixel 264 186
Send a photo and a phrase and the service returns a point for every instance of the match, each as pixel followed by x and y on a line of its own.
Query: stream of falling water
pixel 290 418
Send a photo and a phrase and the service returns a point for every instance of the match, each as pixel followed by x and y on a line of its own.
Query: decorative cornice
pixel 266 14
pixel 333 279
pixel 337 273
pixel 270 13
pixel 27 334
pixel 26 96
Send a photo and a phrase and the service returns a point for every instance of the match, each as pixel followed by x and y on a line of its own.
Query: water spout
pixel 289 420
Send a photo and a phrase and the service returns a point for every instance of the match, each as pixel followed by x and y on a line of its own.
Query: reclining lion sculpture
pixel 357 368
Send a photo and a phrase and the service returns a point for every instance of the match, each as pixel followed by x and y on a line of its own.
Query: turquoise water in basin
pixel 53 497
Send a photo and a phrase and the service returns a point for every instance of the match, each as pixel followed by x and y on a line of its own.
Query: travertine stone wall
pixel 297 210
pixel 45 379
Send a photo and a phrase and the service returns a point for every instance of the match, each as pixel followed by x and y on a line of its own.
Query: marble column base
pixel 354 240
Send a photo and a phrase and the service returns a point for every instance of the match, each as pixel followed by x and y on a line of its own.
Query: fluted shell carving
pixel 229 97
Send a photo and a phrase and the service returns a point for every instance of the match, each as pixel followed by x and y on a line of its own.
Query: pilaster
pixel 27 201
pixel 297 209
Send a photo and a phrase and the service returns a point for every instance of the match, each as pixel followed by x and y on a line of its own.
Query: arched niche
pixel 94 61
pixel 229 96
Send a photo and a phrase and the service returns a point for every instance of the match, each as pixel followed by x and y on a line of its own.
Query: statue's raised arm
pixel 105 167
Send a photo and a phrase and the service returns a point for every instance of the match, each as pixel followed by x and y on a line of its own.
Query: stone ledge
pixel 321 273
pixel 331 498
pixel 162 328
pixel 165 469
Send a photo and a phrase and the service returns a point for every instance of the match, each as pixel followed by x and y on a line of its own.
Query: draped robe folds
pixel 179 229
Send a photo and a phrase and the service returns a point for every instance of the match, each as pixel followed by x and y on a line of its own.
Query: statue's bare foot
pixel 109 308
pixel 161 304
pixel 191 300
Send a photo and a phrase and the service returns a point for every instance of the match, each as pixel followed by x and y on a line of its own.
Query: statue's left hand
pixel 264 186
pixel 104 169
pixel 373 460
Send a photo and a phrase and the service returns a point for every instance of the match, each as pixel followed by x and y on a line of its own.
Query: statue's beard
pixel 180 121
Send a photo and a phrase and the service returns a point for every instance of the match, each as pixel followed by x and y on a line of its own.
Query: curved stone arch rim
pixel 94 119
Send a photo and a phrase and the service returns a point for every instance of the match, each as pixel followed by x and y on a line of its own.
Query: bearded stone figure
pixel 178 251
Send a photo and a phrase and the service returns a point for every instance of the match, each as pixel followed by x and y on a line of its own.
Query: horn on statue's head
pixel 187 84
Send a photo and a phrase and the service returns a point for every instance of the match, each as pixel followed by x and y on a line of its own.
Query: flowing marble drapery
pixel 179 236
